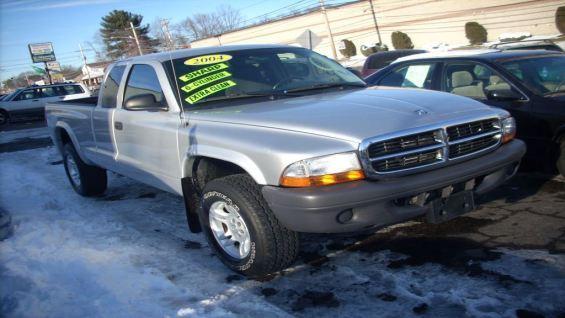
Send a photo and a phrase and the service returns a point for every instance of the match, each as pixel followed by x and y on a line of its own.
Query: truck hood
pixel 351 115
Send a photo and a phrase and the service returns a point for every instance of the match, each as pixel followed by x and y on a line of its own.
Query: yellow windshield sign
pixel 209 91
pixel 208 59
pixel 203 71
pixel 205 80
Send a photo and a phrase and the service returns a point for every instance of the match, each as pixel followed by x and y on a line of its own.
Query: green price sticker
pixel 205 80
pixel 203 71
pixel 209 91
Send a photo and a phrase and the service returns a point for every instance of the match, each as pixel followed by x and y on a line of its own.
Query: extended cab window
pixel 143 80
pixel 413 75
pixel 72 89
pixel 111 85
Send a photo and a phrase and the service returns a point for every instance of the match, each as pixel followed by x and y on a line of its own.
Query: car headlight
pixel 322 171
pixel 508 129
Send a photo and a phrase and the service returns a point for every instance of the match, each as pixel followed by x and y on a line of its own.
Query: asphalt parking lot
pixel 504 259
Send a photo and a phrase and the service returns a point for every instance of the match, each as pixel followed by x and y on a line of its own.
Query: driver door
pixel 146 137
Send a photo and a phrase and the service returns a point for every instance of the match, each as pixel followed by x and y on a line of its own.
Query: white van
pixel 30 101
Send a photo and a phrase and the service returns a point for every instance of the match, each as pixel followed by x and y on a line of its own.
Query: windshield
pixel 543 75
pixel 256 72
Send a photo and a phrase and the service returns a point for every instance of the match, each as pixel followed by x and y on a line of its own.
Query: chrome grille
pixel 404 143
pixel 471 146
pixel 473 128
pixel 408 161
pixel 423 150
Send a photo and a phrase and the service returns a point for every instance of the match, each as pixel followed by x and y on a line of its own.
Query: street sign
pixel 38 70
pixel 54 67
pixel 308 39
pixel 41 52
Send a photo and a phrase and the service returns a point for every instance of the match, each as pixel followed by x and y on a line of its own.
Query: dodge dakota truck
pixel 264 142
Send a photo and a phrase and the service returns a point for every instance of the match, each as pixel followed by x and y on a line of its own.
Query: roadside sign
pixel 38 70
pixel 41 52
pixel 54 67
pixel 308 39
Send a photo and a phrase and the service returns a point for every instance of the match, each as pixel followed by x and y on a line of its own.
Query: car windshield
pixel 543 75
pixel 256 72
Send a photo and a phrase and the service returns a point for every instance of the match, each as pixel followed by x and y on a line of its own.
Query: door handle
pixel 118 125
pixel 35 100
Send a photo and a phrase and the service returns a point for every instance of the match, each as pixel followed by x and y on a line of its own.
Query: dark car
pixel 528 84
pixel 375 62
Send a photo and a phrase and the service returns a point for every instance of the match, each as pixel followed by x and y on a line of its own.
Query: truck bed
pixel 86 101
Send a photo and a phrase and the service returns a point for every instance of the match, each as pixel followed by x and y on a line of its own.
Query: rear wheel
pixel 4 117
pixel 561 159
pixel 242 230
pixel 86 180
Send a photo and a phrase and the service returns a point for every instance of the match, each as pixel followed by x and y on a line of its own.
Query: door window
pixel 72 89
pixel 143 80
pixel 48 92
pixel 111 85
pixel 473 80
pixel 413 75
pixel 28 94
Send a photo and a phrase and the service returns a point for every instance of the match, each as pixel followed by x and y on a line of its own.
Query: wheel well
pixel 63 136
pixel 207 169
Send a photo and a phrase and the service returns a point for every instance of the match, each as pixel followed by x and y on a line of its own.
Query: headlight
pixel 321 171
pixel 508 129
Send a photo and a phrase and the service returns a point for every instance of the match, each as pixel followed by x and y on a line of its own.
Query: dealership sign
pixel 41 52
pixel 54 66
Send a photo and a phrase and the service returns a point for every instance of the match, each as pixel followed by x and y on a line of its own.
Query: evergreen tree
pixel 118 38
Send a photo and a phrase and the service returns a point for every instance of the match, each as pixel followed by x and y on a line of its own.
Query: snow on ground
pixel 129 254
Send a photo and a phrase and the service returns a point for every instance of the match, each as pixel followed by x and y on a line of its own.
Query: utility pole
pixel 324 13
pixel 48 74
pixel 167 33
pixel 85 64
pixel 375 21
pixel 136 39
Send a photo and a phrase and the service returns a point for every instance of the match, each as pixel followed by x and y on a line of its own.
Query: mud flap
pixel 191 205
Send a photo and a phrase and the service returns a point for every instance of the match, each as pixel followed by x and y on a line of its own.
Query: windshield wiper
pixel 322 86
pixel 271 95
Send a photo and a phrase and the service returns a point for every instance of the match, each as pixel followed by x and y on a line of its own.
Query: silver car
pixel 30 101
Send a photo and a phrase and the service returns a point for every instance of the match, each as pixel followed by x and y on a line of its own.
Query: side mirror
pixel 504 95
pixel 354 71
pixel 144 102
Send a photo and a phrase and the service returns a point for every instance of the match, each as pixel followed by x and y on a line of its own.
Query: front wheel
pixel 561 159
pixel 86 180
pixel 242 230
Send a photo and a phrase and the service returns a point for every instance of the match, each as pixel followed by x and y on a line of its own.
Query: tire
pixel 271 248
pixel 4 117
pixel 561 158
pixel 86 180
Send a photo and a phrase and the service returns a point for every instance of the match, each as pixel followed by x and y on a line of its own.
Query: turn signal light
pixel 323 180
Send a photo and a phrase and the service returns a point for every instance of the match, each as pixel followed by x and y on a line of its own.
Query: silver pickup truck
pixel 264 142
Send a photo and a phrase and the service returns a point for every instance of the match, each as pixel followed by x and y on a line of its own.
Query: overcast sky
pixel 66 23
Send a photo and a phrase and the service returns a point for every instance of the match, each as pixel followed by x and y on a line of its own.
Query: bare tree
pixel 204 25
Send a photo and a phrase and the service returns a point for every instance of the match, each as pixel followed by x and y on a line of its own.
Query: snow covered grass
pixel 129 254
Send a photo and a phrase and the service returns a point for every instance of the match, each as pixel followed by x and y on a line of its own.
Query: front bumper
pixel 374 203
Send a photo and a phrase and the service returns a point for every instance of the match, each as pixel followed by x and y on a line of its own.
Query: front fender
pixel 237 158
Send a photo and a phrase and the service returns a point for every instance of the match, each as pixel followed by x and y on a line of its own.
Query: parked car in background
pixel 266 141
pixel 528 84
pixel 30 101
pixel 375 62
pixel 527 45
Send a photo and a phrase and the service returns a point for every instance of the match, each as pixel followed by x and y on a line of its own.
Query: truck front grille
pixel 418 151
pixel 404 143
pixel 472 129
